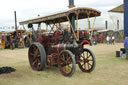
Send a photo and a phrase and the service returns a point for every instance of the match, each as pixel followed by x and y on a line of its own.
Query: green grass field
pixel 109 69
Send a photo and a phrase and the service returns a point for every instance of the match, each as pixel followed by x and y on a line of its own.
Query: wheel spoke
pixel 39 60
pixel 68 59
pixel 38 63
pixel 61 61
pixel 81 60
pixel 63 57
pixel 85 66
pixel 67 56
pixel 69 67
pixel 82 56
pixel 38 55
pixel 34 47
pixel 89 64
pixel 36 52
pixel 90 59
pixel 34 62
pixel 88 56
pixel 31 54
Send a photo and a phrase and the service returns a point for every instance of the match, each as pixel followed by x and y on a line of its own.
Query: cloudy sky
pixel 27 9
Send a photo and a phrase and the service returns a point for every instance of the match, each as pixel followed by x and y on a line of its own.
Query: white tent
pixel 118 9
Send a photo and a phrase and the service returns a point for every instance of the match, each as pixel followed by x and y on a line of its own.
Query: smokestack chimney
pixel 117 24
pixel 106 24
pixel 71 4
pixel 15 20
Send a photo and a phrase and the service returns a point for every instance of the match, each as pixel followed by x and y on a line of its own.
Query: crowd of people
pixel 11 42
pixel 109 39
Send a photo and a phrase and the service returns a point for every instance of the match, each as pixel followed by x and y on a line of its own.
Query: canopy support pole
pixel 77 27
pixel 46 27
pixel 93 27
pixel 89 26
pixel 72 28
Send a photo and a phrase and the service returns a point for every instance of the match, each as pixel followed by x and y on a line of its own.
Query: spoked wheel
pixel 87 61
pixel 66 63
pixel 37 56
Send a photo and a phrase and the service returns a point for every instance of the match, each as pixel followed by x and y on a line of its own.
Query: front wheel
pixel 87 60
pixel 66 63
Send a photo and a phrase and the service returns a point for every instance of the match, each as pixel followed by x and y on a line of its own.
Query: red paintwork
pixel 53 38
pixel 49 39
pixel 53 41
pixel 83 34
pixel 85 41
pixel 41 38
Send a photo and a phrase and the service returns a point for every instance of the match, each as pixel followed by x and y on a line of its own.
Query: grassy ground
pixel 109 69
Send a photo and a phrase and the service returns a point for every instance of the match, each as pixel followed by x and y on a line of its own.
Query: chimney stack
pixel 71 4
pixel 106 24
pixel 15 20
pixel 118 24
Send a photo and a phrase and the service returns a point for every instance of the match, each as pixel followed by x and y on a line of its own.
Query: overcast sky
pixel 27 9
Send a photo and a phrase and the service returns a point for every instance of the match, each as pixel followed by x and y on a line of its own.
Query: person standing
pixel 95 40
pixel 113 40
pixel 101 38
pixel 108 39
pixel 2 42
pixel 126 46
pixel 12 45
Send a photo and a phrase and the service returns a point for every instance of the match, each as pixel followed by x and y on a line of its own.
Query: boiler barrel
pixel 59 47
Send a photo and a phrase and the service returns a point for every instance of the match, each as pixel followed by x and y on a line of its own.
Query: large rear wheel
pixel 87 60
pixel 66 63
pixel 37 56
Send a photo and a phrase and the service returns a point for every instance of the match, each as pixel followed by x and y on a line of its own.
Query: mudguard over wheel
pixel 87 60
pixel 37 56
pixel 66 63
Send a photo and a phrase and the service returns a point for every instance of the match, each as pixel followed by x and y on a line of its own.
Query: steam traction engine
pixel 62 47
